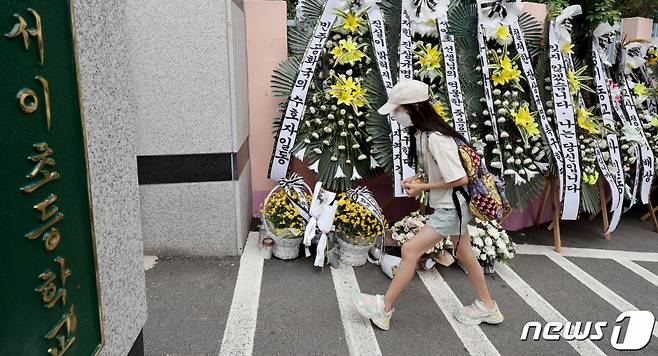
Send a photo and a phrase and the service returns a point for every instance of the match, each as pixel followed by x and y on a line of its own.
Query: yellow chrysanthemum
pixel 525 120
pixel 441 109
pixel 591 179
pixel 430 57
pixel 641 90
pixel 502 33
pixel 584 121
pixel 567 48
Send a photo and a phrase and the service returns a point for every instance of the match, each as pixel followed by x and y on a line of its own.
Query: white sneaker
pixel 372 307
pixel 478 313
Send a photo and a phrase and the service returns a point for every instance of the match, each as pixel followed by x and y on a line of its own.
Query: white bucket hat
pixel 405 92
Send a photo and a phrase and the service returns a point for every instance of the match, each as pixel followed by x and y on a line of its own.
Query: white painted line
pixel 597 287
pixel 475 341
pixel 360 336
pixel 542 307
pixel 241 324
pixel 588 253
pixel 641 271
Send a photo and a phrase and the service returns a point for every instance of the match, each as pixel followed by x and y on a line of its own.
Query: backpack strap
pixel 458 206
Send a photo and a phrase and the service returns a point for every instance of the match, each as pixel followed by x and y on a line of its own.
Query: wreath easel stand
pixel 651 213
pixel 603 208
pixel 552 188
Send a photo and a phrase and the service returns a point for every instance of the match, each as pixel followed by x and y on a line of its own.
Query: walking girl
pixel 435 152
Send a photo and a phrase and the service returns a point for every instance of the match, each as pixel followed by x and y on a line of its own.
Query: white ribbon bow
pixel 322 214
pixel 563 31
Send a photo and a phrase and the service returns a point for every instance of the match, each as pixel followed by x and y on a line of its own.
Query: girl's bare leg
pixel 411 252
pixel 472 266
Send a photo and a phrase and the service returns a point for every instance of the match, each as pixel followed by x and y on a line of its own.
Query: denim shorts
pixel 445 221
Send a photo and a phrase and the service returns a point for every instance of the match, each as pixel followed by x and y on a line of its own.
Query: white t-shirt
pixel 443 164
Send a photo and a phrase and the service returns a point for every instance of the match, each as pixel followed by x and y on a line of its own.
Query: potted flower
pixel 490 243
pixel 356 230
pixel 283 223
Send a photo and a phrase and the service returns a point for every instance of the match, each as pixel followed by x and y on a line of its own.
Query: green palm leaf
pixel 532 32
pixel 298 39
pixel 284 76
pixel 589 198
pixel 312 10
pixel 462 19
pixel 377 125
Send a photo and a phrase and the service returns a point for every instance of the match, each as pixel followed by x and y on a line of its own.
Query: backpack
pixel 484 192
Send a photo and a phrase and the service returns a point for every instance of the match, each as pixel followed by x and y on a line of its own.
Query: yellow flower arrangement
pixel 525 120
pixel 504 71
pixel 567 48
pixel 592 178
pixel 652 56
pixel 347 52
pixel 576 80
pixel 355 223
pixel 502 34
pixel 282 216
pixel 585 121
pixel 442 109
pixel 351 21
pixel 641 90
pixel 348 92
pixel 430 57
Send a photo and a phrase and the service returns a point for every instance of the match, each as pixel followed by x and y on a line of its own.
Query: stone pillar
pixel 192 125
pixel 108 100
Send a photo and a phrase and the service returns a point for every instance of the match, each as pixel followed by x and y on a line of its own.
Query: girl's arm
pixel 443 185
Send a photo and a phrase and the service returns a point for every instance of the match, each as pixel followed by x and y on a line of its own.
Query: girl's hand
pixel 413 189
pixel 409 180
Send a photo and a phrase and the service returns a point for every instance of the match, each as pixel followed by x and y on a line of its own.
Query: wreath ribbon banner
pixel 488 97
pixel 399 136
pixel 526 64
pixel 638 169
pixel 459 118
pixel 566 126
pixel 646 154
pixel 616 183
pixel 294 114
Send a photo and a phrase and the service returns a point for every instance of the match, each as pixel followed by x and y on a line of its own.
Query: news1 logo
pixel 637 333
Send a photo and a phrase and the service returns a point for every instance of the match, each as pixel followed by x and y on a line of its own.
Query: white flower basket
pixel 285 247
pixel 353 255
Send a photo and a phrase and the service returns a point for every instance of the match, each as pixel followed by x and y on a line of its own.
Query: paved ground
pixel 242 306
